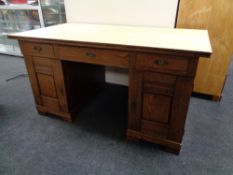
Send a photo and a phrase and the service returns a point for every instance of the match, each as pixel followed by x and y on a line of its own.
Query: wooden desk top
pixel 160 38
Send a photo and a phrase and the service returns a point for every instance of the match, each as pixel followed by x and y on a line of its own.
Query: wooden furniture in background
pixel 66 68
pixel 216 16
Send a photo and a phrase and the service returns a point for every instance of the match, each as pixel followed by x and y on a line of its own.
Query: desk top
pixel 162 38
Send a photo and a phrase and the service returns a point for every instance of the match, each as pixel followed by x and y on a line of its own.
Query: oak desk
pixel 66 67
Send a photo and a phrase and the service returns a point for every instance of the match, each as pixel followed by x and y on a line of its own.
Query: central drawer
pixel 94 56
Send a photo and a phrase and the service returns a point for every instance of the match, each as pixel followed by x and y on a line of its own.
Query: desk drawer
pixel 37 49
pixel 162 63
pixel 95 56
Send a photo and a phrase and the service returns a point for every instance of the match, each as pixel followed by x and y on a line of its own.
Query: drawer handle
pixel 37 48
pixel 161 62
pixel 90 55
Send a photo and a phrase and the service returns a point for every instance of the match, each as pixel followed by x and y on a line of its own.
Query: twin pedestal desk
pixel 66 63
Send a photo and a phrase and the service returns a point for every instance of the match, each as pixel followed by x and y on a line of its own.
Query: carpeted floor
pixel 31 144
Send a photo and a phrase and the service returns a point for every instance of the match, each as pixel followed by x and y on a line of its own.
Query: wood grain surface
pixel 216 17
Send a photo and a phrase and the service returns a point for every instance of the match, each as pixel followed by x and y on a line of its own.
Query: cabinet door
pixel 48 86
pixel 158 105
pixel 157 100
pixel 151 98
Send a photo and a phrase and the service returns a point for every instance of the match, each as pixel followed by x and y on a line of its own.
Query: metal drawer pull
pixel 161 62
pixel 91 55
pixel 37 48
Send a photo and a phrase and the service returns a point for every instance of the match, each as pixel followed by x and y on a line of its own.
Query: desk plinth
pixel 65 74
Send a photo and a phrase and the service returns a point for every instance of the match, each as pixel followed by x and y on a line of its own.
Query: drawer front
pixel 162 63
pixel 95 56
pixel 37 49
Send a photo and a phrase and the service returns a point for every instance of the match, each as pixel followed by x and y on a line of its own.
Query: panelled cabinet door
pixel 150 102
pixel 158 105
pixel 157 101
pixel 48 84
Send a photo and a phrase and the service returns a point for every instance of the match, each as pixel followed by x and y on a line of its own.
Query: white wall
pixel 159 13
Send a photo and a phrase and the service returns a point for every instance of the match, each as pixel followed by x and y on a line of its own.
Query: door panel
pixel 156 107
pixel 47 85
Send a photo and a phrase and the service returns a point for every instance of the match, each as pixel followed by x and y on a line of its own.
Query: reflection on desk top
pixel 163 38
